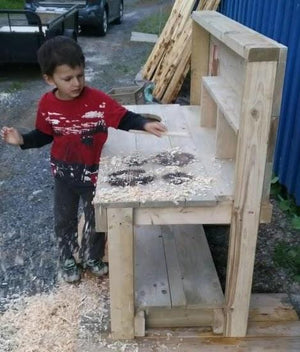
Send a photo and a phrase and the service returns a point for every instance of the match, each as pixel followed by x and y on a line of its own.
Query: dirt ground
pixel 28 253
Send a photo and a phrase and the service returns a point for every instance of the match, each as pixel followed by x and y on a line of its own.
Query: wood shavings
pixel 56 321
pixel 196 184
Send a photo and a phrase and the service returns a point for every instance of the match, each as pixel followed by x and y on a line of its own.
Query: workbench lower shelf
pixel 176 283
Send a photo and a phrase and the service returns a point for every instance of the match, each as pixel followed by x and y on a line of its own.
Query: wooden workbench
pixel 161 269
pixel 164 255
pixel 173 279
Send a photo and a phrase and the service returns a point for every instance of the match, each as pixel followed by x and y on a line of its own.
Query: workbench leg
pixel 121 272
pixel 249 178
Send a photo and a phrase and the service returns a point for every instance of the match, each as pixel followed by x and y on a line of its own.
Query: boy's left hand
pixel 156 128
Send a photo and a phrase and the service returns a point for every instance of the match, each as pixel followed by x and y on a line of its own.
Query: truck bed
pixel 22 32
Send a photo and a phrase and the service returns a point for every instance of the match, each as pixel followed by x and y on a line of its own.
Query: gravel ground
pixel 28 253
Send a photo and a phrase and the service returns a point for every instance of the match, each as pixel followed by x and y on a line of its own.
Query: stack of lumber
pixel 169 61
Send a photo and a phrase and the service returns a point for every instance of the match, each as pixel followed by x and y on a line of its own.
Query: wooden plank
pixel 174 25
pixel 271 307
pixel 178 317
pixel 173 60
pixel 121 277
pixel 177 81
pixel 200 281
pixel 152 285
pixel 173 269
pixel 181 31
pixel 226 99
pixel 200 339
pixel 118 142
pixel 274 328
pixel 249 175
pixel 220 214
pixel 263 331
pixel 247 43
pixel 151 144
pixel 218 344
pixel 174 66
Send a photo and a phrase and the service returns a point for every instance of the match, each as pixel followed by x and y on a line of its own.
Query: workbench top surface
pixel 180 167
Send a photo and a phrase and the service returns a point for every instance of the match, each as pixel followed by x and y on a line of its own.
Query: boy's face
pixel 68 81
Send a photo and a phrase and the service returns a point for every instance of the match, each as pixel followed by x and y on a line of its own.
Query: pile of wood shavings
pixel 59 321
pixel 198 186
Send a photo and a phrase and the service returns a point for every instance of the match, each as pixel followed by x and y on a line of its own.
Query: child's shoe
pixel 70 271
pixel 96 267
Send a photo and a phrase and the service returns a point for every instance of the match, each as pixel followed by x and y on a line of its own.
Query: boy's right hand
pixel 11 136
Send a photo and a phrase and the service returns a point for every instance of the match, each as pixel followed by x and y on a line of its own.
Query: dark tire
pixel 103 24
pixel 70 33
pixel 119 19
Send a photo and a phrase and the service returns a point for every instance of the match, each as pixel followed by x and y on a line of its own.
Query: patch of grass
pixel 154 24
pixel 9 4
pixel 286 202
pixel 139 2
pixel 288 257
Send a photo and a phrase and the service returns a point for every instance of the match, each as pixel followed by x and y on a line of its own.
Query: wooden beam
pixel 121 277
pixel 220 214
pixel 249 175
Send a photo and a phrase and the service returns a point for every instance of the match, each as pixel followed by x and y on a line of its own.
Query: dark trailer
pixel 22 32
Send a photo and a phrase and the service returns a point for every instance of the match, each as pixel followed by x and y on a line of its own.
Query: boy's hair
pixel 58 51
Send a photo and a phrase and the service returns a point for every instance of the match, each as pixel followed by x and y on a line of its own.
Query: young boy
pixel 75 119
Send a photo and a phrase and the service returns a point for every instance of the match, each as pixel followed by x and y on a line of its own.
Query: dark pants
pixel 66 204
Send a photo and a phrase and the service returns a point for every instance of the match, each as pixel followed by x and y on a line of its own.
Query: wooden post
pixel 249 176
pixel 121 277
pixel 199 61
pixel 209 109
pixel 225 138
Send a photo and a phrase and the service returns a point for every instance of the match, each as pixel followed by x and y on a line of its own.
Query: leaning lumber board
pixel 176 37
pixel 171 72
pixel 180 11
pixel 177 81
pixel 182 49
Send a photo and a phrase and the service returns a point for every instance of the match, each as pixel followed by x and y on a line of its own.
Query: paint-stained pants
pixel 66 204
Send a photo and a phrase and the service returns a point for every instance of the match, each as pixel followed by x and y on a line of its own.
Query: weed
pixel 288 256
pixel 286 202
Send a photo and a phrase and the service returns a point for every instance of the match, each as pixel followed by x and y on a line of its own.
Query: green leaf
pixel 274 180
pixel 285 204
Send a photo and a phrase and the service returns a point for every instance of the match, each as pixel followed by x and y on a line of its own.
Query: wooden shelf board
pixel 225 98
pixel 174 269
